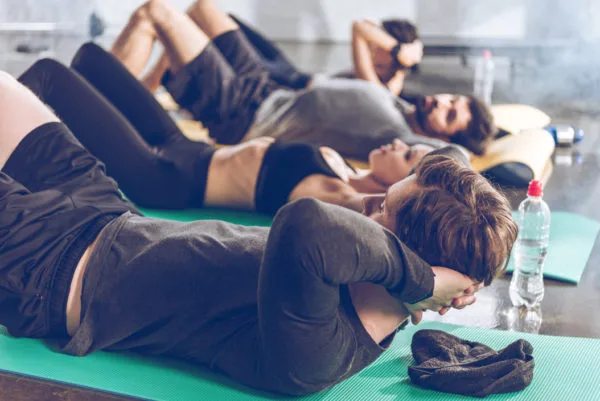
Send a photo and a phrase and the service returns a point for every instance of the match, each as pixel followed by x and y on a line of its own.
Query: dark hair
pixel 457 220
pixel 480 131
pixel 402 30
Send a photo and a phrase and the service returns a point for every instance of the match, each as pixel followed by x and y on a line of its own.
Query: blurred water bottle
pixel 484 78
pixel 565 135
pixel 527 284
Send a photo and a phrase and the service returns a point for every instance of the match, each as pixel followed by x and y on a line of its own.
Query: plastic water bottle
pixel 565 135
pixel 484 78
pixel 527 284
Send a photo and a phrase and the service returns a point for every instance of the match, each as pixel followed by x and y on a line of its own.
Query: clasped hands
pixel 451 290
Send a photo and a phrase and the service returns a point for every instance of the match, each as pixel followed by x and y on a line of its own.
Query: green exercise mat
pixel 566 369
pixel 572 238
pixel 231 215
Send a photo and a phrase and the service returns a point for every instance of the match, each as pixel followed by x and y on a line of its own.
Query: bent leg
pixel 153 78
pixel 180 36
pixel 226 35
pixel 147 177
pixel 214 23
pixel 134 44
pixel 211 20
pixel 127 94
pixel 61 201
pixel 22 112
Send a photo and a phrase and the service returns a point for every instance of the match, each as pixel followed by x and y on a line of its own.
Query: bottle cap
pixel 536 188
pixel 579 134
pixel 487 54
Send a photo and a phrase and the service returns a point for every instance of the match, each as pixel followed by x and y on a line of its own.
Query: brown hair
pixel 402 30
pixel 457 220
pixel 480 130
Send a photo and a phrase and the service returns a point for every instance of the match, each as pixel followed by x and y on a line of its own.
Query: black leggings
pixel 142 147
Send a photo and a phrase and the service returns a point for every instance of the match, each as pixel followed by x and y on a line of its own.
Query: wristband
pixel 394 53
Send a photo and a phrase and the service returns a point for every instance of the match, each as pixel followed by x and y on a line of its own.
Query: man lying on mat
pixel 293 309
pixel 157 166
pixel 219 77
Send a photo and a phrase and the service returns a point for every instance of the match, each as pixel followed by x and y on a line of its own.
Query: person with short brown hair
pixel 447 212
pixel 294 309
pixel 220 78
pixel 455 199
pixel 480 131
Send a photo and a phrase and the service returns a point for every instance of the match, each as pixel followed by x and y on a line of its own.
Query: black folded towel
pixel 449 364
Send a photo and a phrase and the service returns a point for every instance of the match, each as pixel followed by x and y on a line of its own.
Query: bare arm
pixel 364 66
pixel 374 35
pixel 396 83
pixel 366 35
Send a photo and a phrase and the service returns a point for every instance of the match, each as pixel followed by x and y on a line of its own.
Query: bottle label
pixel 565 135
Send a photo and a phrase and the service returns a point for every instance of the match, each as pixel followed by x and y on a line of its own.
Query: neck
pixel 367 183
pixel 352 201
pixel 413 122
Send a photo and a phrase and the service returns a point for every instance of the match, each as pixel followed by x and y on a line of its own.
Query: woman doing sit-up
pixel 157 166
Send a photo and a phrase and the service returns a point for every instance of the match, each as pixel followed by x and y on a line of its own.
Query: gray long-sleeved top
pixel 350 116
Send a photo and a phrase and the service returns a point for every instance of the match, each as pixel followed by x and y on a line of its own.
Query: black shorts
pixel 223 86
pixel 54 200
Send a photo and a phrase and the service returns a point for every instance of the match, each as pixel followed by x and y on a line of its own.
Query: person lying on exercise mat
pixel 382 53
pixel 218 76
pixel 157 166
pixel 292 309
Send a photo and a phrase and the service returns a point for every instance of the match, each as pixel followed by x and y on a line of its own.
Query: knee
pixel 5 77
pixel 7 81
pixel 141 15
pixel 42 73
pixel 87 51
pixel 9 87
pixel 154 11
pixel 44 66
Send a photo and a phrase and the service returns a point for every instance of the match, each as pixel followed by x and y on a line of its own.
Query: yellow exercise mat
pixel 528 151
pixel 515 118
pixel 531 150
pixel 517 158
pixel 194 130
pixel 166 101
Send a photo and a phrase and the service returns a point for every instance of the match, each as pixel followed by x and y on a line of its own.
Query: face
pixel 383 208
pixel 443 115
pixel 393 162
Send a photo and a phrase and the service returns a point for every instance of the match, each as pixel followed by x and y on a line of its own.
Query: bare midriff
pixel 233 172
pixel 73 312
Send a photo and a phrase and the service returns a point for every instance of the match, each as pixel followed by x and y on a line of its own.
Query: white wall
pixel 309 20
pixel 594 19
pixel 468 18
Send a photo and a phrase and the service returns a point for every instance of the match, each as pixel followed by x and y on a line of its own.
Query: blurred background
pixel 547 52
